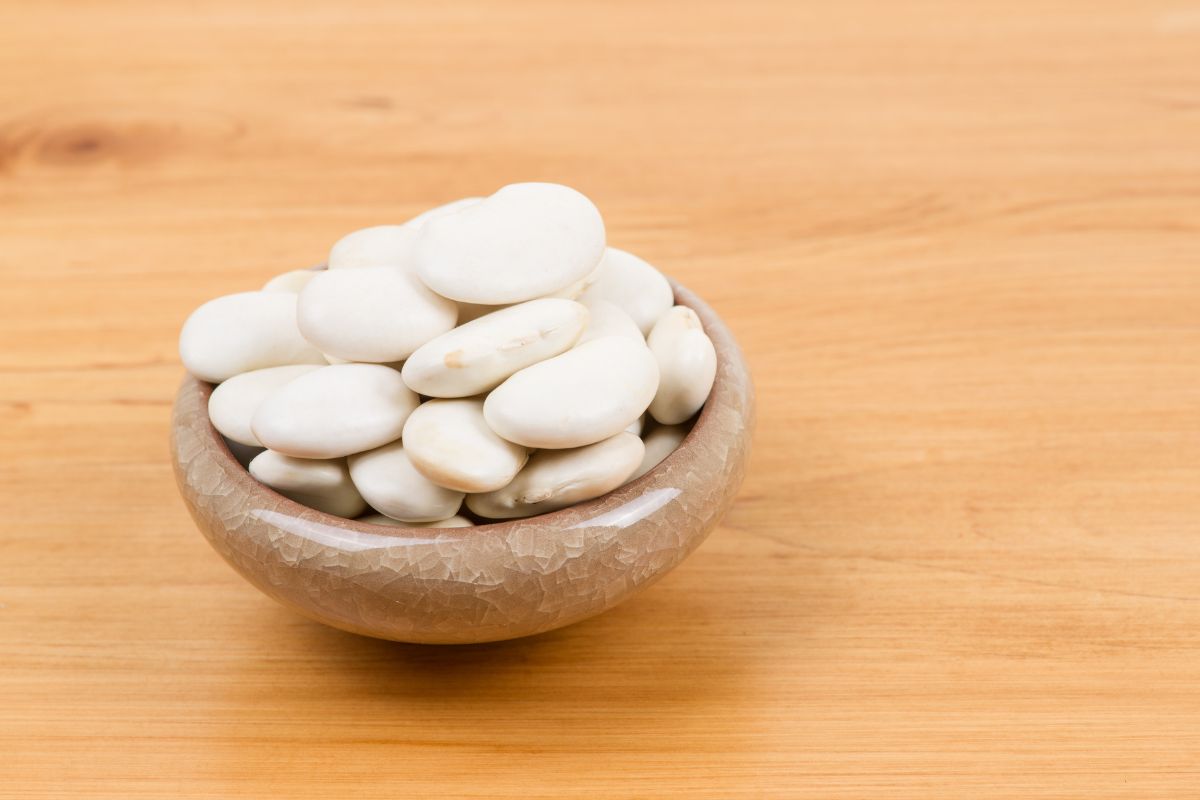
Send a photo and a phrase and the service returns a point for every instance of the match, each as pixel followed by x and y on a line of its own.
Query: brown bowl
pixel 490 582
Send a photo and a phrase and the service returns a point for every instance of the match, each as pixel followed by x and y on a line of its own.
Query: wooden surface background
pixel 959 244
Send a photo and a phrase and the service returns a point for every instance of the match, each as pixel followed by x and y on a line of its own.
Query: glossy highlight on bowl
pixel 489 582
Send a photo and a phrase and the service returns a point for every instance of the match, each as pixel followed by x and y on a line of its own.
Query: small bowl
pixel 480 584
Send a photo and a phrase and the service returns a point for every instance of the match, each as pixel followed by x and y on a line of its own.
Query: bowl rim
pixel 714 327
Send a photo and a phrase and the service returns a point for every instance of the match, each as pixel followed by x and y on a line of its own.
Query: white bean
pixel 450 444
pixel 387 480
pixel 318 483
pixel 387 245
pixel 477 356
pixel 607 319
pixel 292 281
pixel 374 314
pixel 243 332
pixel 660 443
pixel 525 241
pixel 335 411
pixel 231 406
pixel 632 285
pixel 377 246
pixel 586 394
pixel 687 363
pixel 555 479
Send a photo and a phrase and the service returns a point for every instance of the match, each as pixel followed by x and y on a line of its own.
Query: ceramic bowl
pixel 490 582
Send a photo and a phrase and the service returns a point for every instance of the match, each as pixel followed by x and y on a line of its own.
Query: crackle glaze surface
pixel 491 582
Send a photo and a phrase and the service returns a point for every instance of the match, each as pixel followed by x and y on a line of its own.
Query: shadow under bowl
pixel 465 585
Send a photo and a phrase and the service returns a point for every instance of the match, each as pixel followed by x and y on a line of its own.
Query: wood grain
pixel 958 243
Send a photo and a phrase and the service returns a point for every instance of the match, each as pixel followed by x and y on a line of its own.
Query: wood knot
pixel 90 143
pixel 72 139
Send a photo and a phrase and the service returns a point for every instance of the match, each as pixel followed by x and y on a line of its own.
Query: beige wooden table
pixel 960 244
